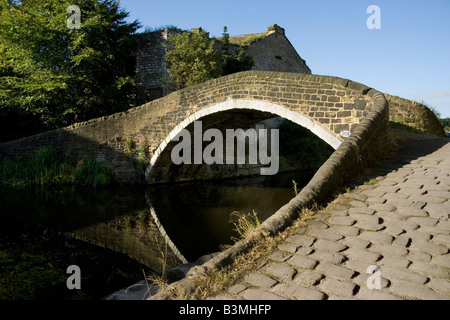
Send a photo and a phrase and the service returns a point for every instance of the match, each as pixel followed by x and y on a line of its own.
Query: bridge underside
pixel 235 115
pixel 164 170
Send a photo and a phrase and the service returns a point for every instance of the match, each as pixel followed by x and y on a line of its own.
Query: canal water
pixel 118 236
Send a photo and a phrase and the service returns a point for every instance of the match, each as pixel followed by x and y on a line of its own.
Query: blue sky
pixel 408 57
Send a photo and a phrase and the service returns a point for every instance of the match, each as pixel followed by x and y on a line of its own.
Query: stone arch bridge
pixel 325 105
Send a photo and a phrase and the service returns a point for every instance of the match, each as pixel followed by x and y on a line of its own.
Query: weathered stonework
pixel 370 140
pixel 273 52
pixel 414 115
pixel 325 104
pixel 150 57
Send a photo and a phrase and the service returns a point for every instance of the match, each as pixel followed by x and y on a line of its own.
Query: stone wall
pixel 276 53
pixel 414 115
pixel 150 56
pixel 325 105
pixel 343 164
pixel 273 52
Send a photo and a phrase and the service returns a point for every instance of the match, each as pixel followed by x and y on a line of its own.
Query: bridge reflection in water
pixel 194 218
pixel 182 221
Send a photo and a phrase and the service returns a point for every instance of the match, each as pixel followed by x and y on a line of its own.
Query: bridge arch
pixel 242 104
pixel 325 105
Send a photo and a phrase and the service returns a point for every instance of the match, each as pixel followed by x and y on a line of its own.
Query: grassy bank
pixel 48 167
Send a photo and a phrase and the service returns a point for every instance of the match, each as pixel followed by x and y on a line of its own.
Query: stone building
pixel 271 51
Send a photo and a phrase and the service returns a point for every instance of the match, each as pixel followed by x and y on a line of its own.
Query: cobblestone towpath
pixel 387 239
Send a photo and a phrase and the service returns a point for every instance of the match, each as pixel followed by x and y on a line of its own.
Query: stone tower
pixel 271 51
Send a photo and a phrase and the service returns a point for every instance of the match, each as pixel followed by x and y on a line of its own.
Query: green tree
pixel 237 62
pixel 445 123
pixel 191 59
pixel 51 75
pixel 432 108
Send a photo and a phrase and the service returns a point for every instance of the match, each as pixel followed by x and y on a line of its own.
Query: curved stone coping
pixel 342 164
pixel 312 78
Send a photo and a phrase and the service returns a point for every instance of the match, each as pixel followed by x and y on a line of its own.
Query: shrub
pixel 48 167
pixel 92 173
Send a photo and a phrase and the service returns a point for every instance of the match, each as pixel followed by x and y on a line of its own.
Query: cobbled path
pixel 387 240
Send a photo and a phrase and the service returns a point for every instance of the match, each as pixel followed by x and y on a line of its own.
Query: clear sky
pixel 408 57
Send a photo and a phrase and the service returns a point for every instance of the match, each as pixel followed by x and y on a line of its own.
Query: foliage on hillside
pixel 192 58
pixel 52 75
pixel 48 167
pixel 446 124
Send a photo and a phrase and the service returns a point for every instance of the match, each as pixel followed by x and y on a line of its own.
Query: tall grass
pixel 48 167
pixel 92 173
pixel 244 223
pixel 294 186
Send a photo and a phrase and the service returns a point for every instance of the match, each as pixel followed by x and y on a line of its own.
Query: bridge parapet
pixel 328 105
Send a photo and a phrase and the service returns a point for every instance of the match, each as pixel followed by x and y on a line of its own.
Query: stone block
pixel 344 221
pixel 429 270
pixel 419 255
pixel 441 286
pixel 383 207
pixel 346 231
pixel 258 294
pixel 260 280
pixel 281 271
pixel 432 248
pixel 338 287
pixel 355 242
pixel 236 289
pixel 373 219
pixel 331 246
pixel 316 224
pixel 362 255
pixel 298 292
pixel 443 239
pixel 367 226
pixel 279 256
pixel 324 256
pixel 301 240
pixel 442 261
pixel 388 250
pixel 402 241
pixel 361 210
pixel 325 234
pixel 288 247
pixel 339 272
pixel 413 290
pixel 302 262
pixel 394 262
pixel 367 294
pixel 308 278
pixel 395 274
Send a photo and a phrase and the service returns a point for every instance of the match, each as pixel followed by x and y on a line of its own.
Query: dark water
pixel 117 235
